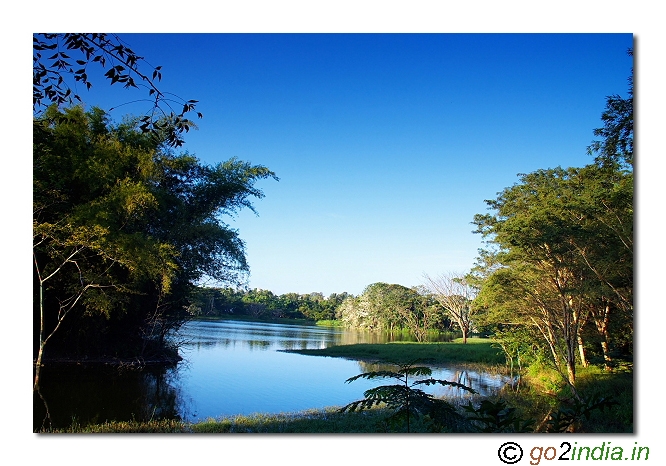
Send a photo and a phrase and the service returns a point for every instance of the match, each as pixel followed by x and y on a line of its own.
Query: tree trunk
pixel 550 339
pixel 571 334
pixel 602 328
pixel 607 359
pixel 581 351
pixel 571 372
pixel 38 366
pixel 40 353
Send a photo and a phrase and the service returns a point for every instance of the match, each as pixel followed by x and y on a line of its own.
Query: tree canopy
pixel 264 304
pixel 455 294
pixel 123 228
pixel 561 267
pixel 384 306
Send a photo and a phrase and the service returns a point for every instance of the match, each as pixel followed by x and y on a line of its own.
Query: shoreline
pixel 124 363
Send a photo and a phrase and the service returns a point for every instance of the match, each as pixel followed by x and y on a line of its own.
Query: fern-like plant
pixel 406 401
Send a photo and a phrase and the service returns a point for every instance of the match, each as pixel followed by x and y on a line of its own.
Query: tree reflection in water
pixel 99 394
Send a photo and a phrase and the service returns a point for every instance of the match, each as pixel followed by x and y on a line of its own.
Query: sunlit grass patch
pixel 329 323
pixel 155 426
pixel 543 391
pixel 324 421
pixel 476 350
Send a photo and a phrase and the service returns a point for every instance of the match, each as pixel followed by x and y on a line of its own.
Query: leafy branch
pixel 58 56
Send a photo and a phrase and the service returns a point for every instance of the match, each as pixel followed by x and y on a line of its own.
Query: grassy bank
pixel 322 421
pixel 330 323
pixel 476 351
pixel 543 392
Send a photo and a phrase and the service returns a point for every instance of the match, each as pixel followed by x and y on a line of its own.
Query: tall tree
pixel 564 245
pixel 384 306
pixel 455 294
pixel 567 238
pixel 122 229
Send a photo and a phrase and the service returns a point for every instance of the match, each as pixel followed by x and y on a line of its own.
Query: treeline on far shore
pixel 381 306
pixel 264 304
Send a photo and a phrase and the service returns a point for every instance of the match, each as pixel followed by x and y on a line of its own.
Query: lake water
pixel 230 367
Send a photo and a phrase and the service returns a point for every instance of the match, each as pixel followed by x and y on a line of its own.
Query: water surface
pixel 230 367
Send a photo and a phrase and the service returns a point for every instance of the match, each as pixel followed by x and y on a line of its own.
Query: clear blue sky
pixel 386 145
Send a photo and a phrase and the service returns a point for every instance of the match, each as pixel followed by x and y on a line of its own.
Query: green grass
pixel 126 427
pixel 324 421
pixel 618 385
pixel 330 323
pixel 475 351
pixel 543 391
pixel 321 421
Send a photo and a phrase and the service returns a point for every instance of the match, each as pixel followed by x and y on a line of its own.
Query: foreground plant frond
pixel 414 371
pixel 407 402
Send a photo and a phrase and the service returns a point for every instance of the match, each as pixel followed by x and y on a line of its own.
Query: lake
pixel 229 367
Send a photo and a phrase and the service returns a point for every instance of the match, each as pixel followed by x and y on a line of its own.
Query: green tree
pixel 389 304
pixel 603 244
pixel 542 271
pixel 122 229
pixel 390 307
pixel 565 237
pixel 563 249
